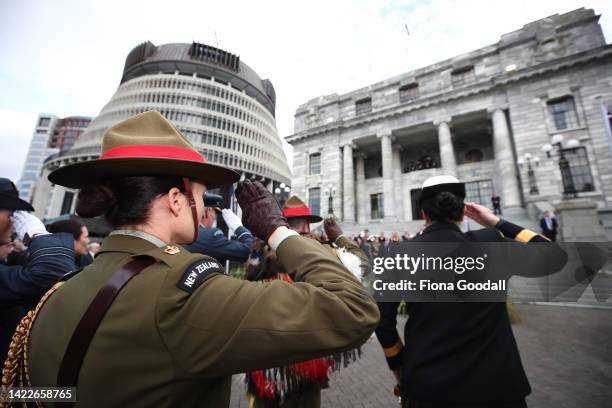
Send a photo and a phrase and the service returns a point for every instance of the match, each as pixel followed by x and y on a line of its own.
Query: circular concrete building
pixel 218 102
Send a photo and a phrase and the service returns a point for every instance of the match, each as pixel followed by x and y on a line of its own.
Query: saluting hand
pixel 481 214
pixel 261 213
pixel 332 229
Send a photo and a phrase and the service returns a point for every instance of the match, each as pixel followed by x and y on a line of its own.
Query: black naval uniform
pixel 457 354
pixel 212 242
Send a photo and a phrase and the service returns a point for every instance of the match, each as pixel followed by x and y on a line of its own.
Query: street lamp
pixel 528 158
pixel 558 142
pixel 282 193
pixel 330 191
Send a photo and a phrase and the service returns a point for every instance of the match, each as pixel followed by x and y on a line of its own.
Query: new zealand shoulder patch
pixel 197 272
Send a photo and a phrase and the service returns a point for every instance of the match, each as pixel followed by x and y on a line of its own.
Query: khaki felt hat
pixel 296 208
pixel 144 145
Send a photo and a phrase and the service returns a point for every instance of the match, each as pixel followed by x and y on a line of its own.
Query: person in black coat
pixel 459 354
pixel 549 226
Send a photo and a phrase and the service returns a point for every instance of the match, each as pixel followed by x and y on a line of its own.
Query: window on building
pixel 314 200
pixel 479 192
pixel 44 122
pixel 67 203
pixel 409 92
pixel 463 75
pixel 474 155
pixel 415 193
pixel 563 113
pixel 376 206
pixel 363 106
pixel 581 169
pixel 314 163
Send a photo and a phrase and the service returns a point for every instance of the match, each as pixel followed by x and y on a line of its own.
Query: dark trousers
pixel 428 404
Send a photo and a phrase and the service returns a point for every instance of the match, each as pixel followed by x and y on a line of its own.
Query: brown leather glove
pixel 261 213
pixel 332 230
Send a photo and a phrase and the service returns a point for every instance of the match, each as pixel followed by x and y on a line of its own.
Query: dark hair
pixel 71 226
pixel 126 200
pixel 444 206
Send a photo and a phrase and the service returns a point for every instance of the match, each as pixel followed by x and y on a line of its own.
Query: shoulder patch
pixel 197 272
pixel 218 233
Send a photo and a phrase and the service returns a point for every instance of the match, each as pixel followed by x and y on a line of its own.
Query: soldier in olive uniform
pixel 299 385
pixel 179 329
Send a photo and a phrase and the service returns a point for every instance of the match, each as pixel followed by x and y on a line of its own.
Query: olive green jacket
pixel 159 345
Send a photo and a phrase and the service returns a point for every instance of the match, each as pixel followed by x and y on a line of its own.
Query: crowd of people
pixel 151 317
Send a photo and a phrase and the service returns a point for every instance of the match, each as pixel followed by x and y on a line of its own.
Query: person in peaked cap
pixel 458 354
pixel 211 240
pixel 151 324
pixel 52 256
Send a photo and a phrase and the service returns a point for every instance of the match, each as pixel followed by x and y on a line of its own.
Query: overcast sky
pixel 66 57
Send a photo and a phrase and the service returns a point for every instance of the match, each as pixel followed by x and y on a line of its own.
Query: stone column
pixel 447 152
pixel 505 168
pixel 348 190
pixel 397 183
pixel 361 197
pixel 387 173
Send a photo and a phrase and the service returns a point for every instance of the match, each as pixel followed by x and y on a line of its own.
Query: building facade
pixel 483 116
pixel 217 101
pixel 52 135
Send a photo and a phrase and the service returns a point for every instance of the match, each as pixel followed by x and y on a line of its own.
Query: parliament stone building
pixel 482 116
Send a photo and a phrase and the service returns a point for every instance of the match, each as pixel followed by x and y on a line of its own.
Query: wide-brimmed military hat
pixel 144 145
pixel 296 208
pixel 9 197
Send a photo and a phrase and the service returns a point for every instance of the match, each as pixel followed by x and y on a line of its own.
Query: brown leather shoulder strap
pixel 83 334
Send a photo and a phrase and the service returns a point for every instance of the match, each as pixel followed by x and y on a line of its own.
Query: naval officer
pixel 458 355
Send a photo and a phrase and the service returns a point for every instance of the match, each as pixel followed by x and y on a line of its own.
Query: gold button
pixel 172 250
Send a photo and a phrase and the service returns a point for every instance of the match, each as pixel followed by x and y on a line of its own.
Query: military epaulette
pixel 172 255
pixel 196 267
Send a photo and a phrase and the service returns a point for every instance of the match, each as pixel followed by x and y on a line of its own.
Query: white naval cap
pixel 443 179
pixel 444 183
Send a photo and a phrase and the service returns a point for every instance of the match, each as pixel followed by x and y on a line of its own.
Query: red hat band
pixel 159 151
pixel 297 212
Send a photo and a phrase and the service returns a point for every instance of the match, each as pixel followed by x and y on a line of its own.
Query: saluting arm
pixel 540 257
pixel 229 326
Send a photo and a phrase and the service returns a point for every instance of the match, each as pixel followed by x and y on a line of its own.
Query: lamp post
pixel 527 159
pixel 282 193
pixel 330 192
pixel 562 147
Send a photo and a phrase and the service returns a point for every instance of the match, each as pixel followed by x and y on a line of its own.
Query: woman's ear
pixel 174 201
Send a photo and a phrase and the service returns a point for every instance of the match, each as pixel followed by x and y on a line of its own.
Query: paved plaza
pixel 566 351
